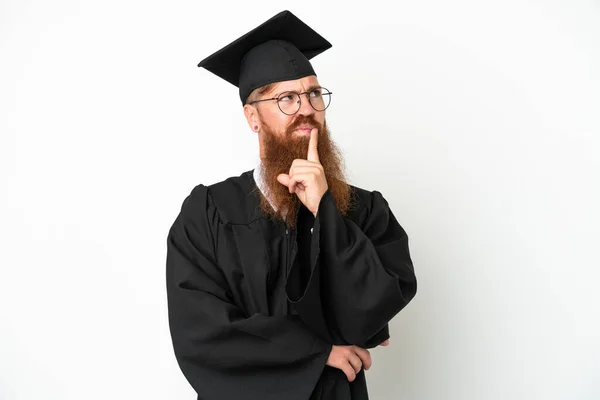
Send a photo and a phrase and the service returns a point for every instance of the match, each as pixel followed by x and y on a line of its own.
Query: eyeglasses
pixel 290 102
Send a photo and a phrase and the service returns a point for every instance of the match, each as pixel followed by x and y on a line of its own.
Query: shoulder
pixel 375 217
pixel 368 208
pixel 232 186
pixel 233 199
pixel 364 200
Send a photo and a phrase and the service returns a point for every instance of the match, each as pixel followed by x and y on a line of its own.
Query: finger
pixel 299 178
pixel 365 356
pixel 302 162
pixel 284 179
pixel 349 371
pixel 385 343
pixel 315 169
pixel 313 155
pixel 355 361
pixel 298 187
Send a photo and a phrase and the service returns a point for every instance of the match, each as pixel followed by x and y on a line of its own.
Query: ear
pixel 251 114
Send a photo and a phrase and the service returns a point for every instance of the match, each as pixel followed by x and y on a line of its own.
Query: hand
pixel 349 359
pixel 385 342
pixel 307 178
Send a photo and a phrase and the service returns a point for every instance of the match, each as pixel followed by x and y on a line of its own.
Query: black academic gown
pixel 254 307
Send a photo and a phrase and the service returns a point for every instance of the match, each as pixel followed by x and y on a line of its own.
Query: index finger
pixel 313 155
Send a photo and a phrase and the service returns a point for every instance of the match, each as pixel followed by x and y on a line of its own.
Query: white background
pixel 478 121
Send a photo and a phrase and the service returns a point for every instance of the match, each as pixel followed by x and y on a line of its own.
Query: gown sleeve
pixel 223 353
pixel 360 276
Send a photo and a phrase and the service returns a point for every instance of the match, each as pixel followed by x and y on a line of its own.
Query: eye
pixel 316 92
pixel 287 97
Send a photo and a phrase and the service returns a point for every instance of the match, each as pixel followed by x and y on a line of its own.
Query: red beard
pixel 278 155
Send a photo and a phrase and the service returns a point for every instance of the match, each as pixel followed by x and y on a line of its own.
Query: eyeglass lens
pixel 289 102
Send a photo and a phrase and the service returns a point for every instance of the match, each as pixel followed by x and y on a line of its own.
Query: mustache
pixel 304 120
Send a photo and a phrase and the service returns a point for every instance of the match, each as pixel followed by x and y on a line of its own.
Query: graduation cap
pixel 277 50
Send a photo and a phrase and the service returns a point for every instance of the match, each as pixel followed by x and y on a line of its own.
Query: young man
pixel 280 279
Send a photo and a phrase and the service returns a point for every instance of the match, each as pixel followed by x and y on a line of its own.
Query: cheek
pixel 283 123
pixel 272 120
pixel 320 117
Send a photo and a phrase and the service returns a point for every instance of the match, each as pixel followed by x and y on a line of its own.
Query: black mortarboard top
pixel 277 50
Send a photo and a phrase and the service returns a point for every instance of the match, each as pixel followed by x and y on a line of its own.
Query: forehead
pixel 297 85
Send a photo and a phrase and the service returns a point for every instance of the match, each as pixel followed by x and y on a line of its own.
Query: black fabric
pixel 300 272
pixel 250 318
pixel 277 50
pixel 361 273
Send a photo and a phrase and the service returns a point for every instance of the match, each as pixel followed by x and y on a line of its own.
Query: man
pixel 280 279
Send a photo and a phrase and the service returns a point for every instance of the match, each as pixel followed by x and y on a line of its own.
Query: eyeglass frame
pixel 300 99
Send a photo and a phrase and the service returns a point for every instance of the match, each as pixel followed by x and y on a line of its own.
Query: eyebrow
pixel 309 89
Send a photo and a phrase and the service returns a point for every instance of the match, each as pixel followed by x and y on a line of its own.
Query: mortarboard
pixel 277 50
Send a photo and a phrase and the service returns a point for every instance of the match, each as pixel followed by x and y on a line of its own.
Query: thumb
pixel 284 179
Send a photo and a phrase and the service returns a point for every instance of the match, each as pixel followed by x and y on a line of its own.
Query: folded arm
pixel 360 276
pixel 223 353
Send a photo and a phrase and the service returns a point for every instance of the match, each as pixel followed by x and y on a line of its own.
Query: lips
pixel 303 125
pixel 304 131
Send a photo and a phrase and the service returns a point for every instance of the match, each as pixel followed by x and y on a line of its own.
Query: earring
pixel 255 128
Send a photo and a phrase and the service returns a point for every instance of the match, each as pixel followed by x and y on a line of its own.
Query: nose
pixel 305 107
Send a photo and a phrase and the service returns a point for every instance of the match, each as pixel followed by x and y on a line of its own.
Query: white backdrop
pixel 478 121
